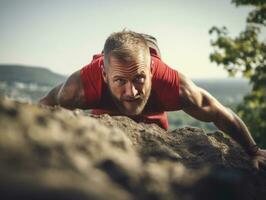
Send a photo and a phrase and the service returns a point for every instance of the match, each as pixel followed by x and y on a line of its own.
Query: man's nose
pixel 130 90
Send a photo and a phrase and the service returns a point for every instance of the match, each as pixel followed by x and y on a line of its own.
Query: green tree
pixel 246 55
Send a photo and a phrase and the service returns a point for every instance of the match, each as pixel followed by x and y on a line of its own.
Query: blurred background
pixel 219 44
pixel 62 35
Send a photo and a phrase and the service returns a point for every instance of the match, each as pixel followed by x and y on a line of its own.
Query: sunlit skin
pixel 129 84
pixel 130 87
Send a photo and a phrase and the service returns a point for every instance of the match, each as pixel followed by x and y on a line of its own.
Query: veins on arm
pixel 69 94
pixel 203 106
pixel 197 102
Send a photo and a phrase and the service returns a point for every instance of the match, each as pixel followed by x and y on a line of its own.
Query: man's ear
pixel 104 75
pixel 151 67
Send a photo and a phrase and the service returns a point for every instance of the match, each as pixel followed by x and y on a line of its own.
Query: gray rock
pixel 54 153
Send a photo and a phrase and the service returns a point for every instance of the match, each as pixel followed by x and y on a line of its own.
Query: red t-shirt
pixel 164 94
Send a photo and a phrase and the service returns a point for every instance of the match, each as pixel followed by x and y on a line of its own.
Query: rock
pixel 54 153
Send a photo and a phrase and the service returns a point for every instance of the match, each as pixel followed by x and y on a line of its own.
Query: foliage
pixel 246 55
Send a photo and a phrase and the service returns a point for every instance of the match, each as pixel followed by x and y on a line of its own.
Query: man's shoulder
pixel 165 84
pixel 97 56
pixel 92 80
pixel 160 70
pixel 97 60
pixel 94 67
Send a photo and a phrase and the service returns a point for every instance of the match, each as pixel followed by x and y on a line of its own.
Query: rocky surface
pixel 54 153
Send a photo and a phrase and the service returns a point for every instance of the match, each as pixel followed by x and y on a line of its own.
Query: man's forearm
pixel 51 99
pixel 237 129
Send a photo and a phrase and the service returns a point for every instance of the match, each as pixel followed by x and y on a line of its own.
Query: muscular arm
pixel 50 99
pixel 201 105
pixel 69 94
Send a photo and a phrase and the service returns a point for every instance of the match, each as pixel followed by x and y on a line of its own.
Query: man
pixel 130 79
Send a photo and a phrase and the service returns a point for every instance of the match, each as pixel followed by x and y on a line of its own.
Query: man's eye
pixel 139 80
pixel 120 81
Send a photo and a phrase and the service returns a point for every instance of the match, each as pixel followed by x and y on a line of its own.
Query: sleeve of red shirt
pixel 91 77
pixel 165 83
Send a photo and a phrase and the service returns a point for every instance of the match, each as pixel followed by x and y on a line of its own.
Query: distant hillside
pixel 25 74
pixel 227 90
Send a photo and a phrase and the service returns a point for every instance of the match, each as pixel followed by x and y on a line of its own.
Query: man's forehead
pixel 136 65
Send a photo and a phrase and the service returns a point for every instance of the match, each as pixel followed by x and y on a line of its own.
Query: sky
pixel 63 35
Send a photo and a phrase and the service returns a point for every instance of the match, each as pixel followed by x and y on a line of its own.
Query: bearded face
pixel 129 84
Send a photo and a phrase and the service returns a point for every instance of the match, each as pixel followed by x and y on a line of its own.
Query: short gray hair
pixel 126 46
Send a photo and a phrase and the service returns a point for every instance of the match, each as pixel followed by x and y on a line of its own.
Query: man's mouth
pixel 132 100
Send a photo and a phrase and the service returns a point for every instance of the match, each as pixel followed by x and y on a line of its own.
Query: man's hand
pixel 259 159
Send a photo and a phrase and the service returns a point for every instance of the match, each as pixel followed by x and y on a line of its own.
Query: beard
pixel 131 106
